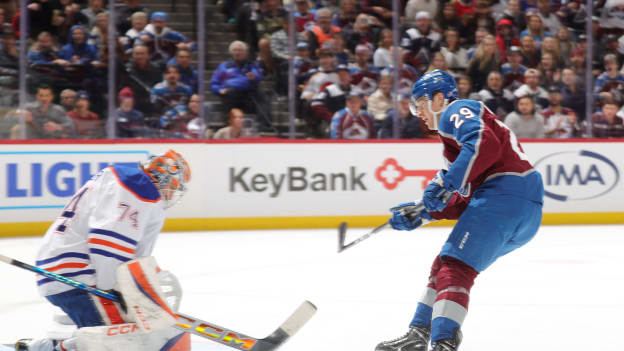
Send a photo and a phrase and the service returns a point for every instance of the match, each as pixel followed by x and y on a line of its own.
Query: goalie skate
pixel 416 339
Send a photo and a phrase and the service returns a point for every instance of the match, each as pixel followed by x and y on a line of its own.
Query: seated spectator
pixel 505 37
pixel 44 119
pixel 383 56
pixel 464 6
pixel 550 45
pixel 464 88
pixel 324 75
pixel 566 45
pixel 304 66
pixel 184 121
pixel 93 9
pixel 420 42
pixel 337 46
pixel 170 92
pixel 551 22
pixel 578 64
pixel 535 28
pixel 234 129
pixel 87 124
pixel 479 34
pixel 9 61
pixel 235 82
pixel 322 31
pixel 139 21
pixel 410 126
pixel 498 99
pixel 407 74
pixel 270 20
pixel 305 19
pixel 514 13
pixel 162 40
pixel 561 122
pixel 526 122
pixel 129 123
pixel 550 73
pixel 279 43
pixel 125 15
pixel 68 99
pixel 188 74
pixel 345 17
pixel 513 70
pixel 483 15
pixel 437 62
pixel 432 8
pixel 531 56
pixel 605 123
pixel 456 57
pixel 352 122
pixel 330 99
pixel 573 94
pixel 486 59
pixel 77 51
pixel 469 33
pixel 366 30
pixel 68 16
pixel 98 36
pixel 610 81
pixel 364 76
pixel 140 75
pixel 531 88
pixel 43 51
pixel 381 100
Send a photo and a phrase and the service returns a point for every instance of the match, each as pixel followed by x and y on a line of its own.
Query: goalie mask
pixel 169 173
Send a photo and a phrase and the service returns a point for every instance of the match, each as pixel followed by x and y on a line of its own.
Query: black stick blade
pixel 342 232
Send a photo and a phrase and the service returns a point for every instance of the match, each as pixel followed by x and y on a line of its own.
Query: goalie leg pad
pixel 139 285
pixel 129 337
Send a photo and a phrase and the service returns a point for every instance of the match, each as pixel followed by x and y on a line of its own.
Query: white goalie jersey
pixel 115 217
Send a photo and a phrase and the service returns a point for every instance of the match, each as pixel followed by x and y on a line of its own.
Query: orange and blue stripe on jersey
pixel 111 244
pixel 69 264
pixel 137 183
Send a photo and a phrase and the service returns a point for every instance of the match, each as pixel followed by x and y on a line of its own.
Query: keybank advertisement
pixel 297 179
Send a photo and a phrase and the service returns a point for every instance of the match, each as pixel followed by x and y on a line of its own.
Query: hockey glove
pixel 409 216
pixel 436 196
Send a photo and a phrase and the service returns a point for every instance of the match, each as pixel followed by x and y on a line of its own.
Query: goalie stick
pixel 197 326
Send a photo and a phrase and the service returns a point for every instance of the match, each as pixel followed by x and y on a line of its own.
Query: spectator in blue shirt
pixel 188 74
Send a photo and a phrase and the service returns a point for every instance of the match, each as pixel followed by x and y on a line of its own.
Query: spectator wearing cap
pixel 531 56
pixel 487 58
pixel 323 29
pixel 383 55
pixel 535 28
pixel 420 42
pixel 526 122
pixel 236 81
pixel 429 6
pixel 551 22
pixel 184 121
pixel 324 75
pixel 606 123
pixel 578 63
pixel 124 14
pixel 498 99
pixel 188 73
pixel 129 122
pixel 505 37
pixel 513 70
pixel 93 8
pixel 514 13
pixel 140 75
pixel 380 101
pixel 303 65
pixel 573 93
pixel 366 30
pixel 364 76
pixel 456 56
pixel 352 122
pixel 87 124
pixel 532 89
pixel 305 19
pixel 162 40
pixel 410 126
pixel 610 81
pixel 330 99
pixel 560 122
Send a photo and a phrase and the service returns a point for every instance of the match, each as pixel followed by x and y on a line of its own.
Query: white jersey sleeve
pixel 112 219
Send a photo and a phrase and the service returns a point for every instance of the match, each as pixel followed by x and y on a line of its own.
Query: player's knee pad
pixel 145 301
pixel 454 281
pixel 129 337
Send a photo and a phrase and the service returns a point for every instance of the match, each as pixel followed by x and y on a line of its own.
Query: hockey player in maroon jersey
pixel 488 185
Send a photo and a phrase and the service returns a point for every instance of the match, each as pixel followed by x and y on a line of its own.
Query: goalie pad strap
pixel 109 310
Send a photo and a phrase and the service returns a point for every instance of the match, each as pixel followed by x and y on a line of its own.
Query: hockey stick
pixel 342 232
pixel 197 326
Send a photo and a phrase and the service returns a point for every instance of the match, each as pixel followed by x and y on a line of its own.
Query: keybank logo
pixel 390 174
pixel 577 175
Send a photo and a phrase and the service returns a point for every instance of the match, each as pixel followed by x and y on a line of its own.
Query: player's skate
pixel 416 339
pixel 448 344
pixel 34 345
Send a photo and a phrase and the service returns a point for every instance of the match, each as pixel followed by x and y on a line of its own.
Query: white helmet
pixel 169 172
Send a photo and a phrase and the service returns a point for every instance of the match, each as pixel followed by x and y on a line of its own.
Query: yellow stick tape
pixel 194 224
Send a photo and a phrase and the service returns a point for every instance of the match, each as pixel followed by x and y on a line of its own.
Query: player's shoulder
pixel 136 182
pixel 467 107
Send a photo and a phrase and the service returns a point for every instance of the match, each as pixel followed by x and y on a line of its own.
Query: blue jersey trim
pixel 67 275
pixel 137 182
pixel 109 254
pixel 61 256
pixel 113 234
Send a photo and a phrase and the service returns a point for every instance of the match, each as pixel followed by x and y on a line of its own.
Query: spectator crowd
pixel 526 60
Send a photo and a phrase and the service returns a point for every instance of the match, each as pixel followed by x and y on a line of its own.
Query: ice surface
pixel 563 291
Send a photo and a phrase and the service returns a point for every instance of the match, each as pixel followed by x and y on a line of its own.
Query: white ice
pixel 562 291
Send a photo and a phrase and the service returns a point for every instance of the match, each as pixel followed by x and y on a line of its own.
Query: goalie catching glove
pixel 409 216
